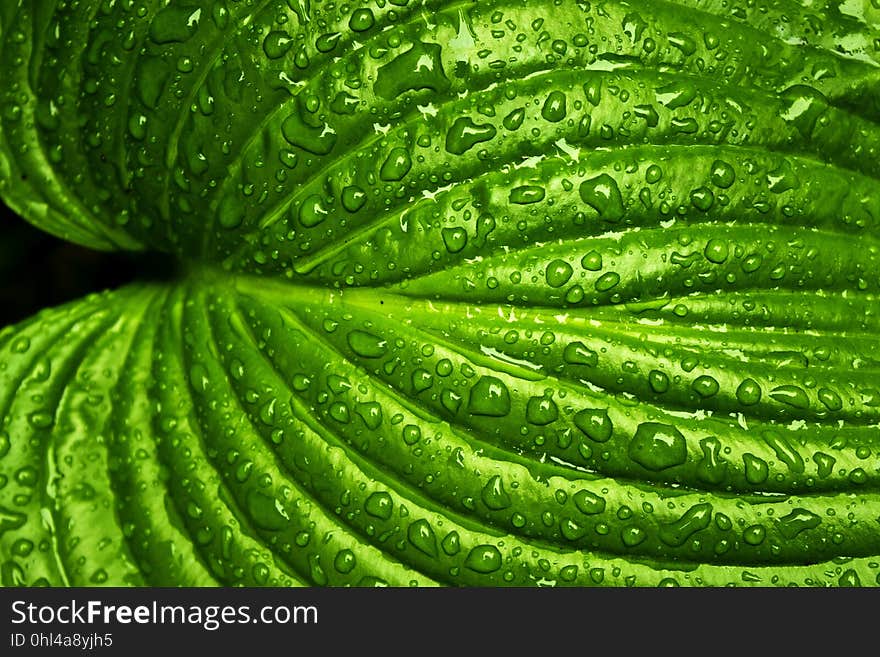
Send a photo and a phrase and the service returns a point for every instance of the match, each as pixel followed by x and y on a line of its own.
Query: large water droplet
pixel 588 502
pixel 455 239
pixel 554 109
pixel 577 353
pixel 493 494
pixel 367 345
pixel 527 194
pixel 465 134
pixel 266 512
pixel 603 195
pixel 595 423
pixel 490 397
pixel 484 559
pixel 396 165
pixel 558 273
pixel 541 411
pixel 797 521
pixel 421 67
pixel 421 535
pixel 379 505
pixel 676 533
pixel 657 446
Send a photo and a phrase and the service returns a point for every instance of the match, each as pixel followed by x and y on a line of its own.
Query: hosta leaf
pixel 476 293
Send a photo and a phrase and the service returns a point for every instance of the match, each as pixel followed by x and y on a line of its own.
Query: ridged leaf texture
pixel 478 294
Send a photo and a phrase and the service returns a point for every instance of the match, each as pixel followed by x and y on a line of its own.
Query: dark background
pixel 38 270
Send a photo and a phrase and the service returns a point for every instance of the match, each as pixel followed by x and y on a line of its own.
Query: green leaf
pixel 472 296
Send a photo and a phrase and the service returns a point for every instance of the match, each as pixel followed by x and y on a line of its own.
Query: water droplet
pixel 41 419
pixel 752 263
pixel 379 505
pixel 571 530
pixel 682 42
pixel 396 166
pixel 575 294
pixel 677 94
pixel 489 397
pixel 419 68
pixel 658 381
pixel 353 198
pixel 830 399
pixel 527 194
pixel 705 386
pixel 277 44
pixel 723 174
pixel 675 534
pixel 756 469
pixel 455 239
pixel 657 446
pixel 411 434
pixel 716 251
pixel 749 392
pixel 266 512
pixel 344 103
pixel 588 503
pixel 754 535
pixel 370 413
pixel 345 561
pixel 541 411
pixel 554 109
pixel 465 134
pixel 493 494
pixel 593 89
pixel 849 579
pixel 514 120
pixel 367 345
pixel 484 559
pixel 702 199
pixel 595 423
pixel 339 412
pixel 558 273
pixel 361 19
pixel 797 521
pixel 230 214
pixel 318 140
pixel 422 379
pixel 174 25
pixel 712 468
pixel 592 261
pixel 784 451
pixel 451 543
pixel 632 536
pixel 825 463
pixel 421 535
pixel 603 195
pixel 791 395
pixel 783 178
pixel 607 281
pixel 577 353
pixel 312 212
pixel 805 105
pixel 327 42
pixel 316 570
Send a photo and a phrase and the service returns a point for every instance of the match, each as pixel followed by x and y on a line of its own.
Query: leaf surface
pixel 476 294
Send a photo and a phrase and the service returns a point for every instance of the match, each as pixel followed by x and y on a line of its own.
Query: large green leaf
pixel 477 293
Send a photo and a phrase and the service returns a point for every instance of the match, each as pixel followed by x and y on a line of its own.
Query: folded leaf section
pixel 251 433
